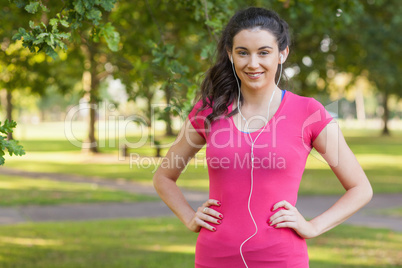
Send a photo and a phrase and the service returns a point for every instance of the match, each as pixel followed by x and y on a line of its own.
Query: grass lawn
pixel 391 212
pixel 164 242
pixel 26 191
pixel 380 157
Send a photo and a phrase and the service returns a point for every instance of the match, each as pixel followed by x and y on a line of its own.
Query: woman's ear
pixel 283 55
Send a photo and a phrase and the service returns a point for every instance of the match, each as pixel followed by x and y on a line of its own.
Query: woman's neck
pixel 254 99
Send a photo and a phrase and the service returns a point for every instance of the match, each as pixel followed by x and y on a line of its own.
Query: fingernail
pixel 221 216
pixel 269 222
pixel 219 221
pixel 272 209
pixel 213 229
pixel 274 226
pixel 219 203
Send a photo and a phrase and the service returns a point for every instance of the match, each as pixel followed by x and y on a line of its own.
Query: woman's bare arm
pixel 331 144
pixel 187 144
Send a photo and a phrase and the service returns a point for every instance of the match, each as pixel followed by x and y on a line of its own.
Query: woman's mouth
pixel 254 75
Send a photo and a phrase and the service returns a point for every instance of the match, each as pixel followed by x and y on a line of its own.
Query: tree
pixel 18 71
pixel 82 22
pixel 372 46
pixel 158 54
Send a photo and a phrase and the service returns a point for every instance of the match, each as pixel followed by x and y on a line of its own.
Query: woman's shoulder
pixel 297 98
pixel 302 105
pixel 200 107
pixel 208 108
pixel 302 101
pixel 200 111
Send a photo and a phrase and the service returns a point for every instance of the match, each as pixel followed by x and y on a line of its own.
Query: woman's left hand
pixel 290 217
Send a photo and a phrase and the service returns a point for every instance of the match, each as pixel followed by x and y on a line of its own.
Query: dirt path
pixel 309 206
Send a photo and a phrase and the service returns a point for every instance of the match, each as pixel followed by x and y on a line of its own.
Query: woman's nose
pixel 253 62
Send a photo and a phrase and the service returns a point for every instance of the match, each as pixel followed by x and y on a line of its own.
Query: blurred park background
pixel 99 89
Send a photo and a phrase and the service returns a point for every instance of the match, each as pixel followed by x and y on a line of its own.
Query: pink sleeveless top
pixel 280 157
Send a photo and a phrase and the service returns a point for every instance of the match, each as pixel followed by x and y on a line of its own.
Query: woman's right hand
pixel 205 214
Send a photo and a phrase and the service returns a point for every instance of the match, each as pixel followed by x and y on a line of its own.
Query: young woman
pixel 258 137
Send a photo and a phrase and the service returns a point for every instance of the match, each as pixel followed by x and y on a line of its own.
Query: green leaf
pixel 88 4
pixel 52 40
pixel 111 36
pixel 176 67
pixel 204 53
pixel 31 24
pixel 32 7
pixel 44 8
pixel 8 126
pixel 14 148
pixel 50 52
pixel 11 146
pixel 151 44
pixel 107 5
pixel 63 46
pixel 79 7
pixel 21 33
pixel 64 35
pixel 95 15
pixel 157 60
pixel 37 42
pixel 64 23
pixel 42 35
pixel 169 50
pixel 53 22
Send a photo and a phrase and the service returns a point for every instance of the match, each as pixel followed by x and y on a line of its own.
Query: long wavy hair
pixel 219 88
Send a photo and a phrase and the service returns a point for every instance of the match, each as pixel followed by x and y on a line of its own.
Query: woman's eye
pixel 242 53
pixel 264 52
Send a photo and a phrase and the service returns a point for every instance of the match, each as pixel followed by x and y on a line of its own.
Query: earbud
pixel 282 58
pixel 231 59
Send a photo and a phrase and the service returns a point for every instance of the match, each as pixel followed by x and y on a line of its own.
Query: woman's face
pixel 256 58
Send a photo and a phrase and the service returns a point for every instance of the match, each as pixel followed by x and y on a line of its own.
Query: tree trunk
pixel 94 97
pixel 385 117
pixel 168 94
pixel 9 111
pixel 149 112
pixel 91 87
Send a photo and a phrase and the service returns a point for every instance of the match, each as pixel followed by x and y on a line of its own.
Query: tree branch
pixel 207 19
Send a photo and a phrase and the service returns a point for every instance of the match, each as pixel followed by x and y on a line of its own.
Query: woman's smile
pixel 255 75
pixel 256 59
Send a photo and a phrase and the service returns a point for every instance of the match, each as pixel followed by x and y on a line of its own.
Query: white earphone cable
pixel 252 153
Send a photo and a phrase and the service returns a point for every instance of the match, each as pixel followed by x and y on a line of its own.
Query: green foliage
pixel 40 39
pixel 11 146
pixel 167 46
pixel 32 7
pixel 74 13
pixel 111 36
pixel 165 57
